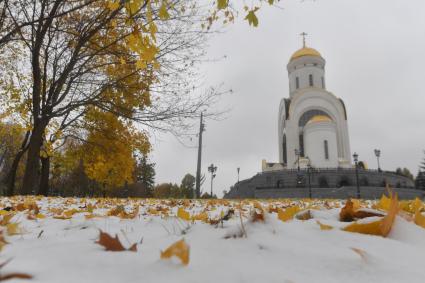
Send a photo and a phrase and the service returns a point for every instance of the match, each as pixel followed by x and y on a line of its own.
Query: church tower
pixel 312 125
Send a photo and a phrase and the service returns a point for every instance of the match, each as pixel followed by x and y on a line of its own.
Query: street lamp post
pixel 356 160
pixel 238 169
pixel 309 181
pixel 378 154
pixel 297 153
pixel 212 169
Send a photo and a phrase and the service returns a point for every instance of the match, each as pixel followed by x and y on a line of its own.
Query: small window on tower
pixel 323 82
pixel 326 150
pixel 310 79
pixel 297 82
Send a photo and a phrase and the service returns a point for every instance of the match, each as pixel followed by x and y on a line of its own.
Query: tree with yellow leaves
pixel 131 58
pixel 115 56
pixel 110 149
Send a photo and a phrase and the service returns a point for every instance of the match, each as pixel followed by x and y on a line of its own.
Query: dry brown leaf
pixel 360 252
pixel 257 216
pixel 346 213
pixel 273 209
pixel 113 244
pixel 3 241
pixel 179 249
pixel 15 275
pixel 304 215
pixel 360 214
pixel 8 276
pixel 352 211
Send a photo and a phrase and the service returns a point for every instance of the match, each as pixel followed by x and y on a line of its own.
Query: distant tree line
pixel 420 178
pixel 184 190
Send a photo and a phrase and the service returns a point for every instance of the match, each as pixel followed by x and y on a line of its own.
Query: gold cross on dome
pixel 303 34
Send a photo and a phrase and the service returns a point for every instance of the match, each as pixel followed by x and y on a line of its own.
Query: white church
pixel 314 146
pixel 312 122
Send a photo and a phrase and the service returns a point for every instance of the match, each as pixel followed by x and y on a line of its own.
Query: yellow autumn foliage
pixel 108 155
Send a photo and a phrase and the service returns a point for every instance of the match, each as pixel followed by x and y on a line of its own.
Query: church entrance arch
pixel 305 117
pixel 310 114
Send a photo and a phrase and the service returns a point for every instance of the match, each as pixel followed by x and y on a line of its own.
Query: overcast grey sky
pixel 375 59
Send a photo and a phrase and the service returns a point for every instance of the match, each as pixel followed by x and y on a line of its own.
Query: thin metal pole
pixel 211 184
pixel 197 193
pixel 357 180
pixel 309 182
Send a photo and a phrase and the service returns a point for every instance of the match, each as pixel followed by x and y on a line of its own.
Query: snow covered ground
pixel 55 241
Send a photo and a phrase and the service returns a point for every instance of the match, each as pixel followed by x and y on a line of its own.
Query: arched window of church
pixel 297 82
pixel 323 82
pixel 301 141
pixel 326 150
pixel 310 79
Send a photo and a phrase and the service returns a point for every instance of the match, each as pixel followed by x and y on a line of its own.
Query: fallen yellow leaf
pixel 6 219
pixel 288 213
pixel 183 214
pixel 371 228
pixel 324 226
pixel 360 252
pixel 419 219
pixel 3 241
pixel 380 227
pixel 40 216
pixel 203 216
pixel 13 229
pixel 384 203
pixel 179 249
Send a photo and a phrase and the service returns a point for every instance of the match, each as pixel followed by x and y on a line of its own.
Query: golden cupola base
pixel 305 51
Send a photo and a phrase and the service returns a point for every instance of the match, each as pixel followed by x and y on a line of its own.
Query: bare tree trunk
pixel 3 157
pixel 31 182
pixel 44 178
pixel 10 178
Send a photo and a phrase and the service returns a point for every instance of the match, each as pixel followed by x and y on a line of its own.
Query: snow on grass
pixel 64 250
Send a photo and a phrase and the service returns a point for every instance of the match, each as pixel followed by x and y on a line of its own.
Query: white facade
pixel 311 116
pixel 320 144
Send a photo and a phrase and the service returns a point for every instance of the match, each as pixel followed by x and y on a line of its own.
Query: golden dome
pixel 319 118
pixel 305 51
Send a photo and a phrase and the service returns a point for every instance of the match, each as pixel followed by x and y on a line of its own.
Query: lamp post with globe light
pixel 356 162
pixel 378 154
pixel 212 169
